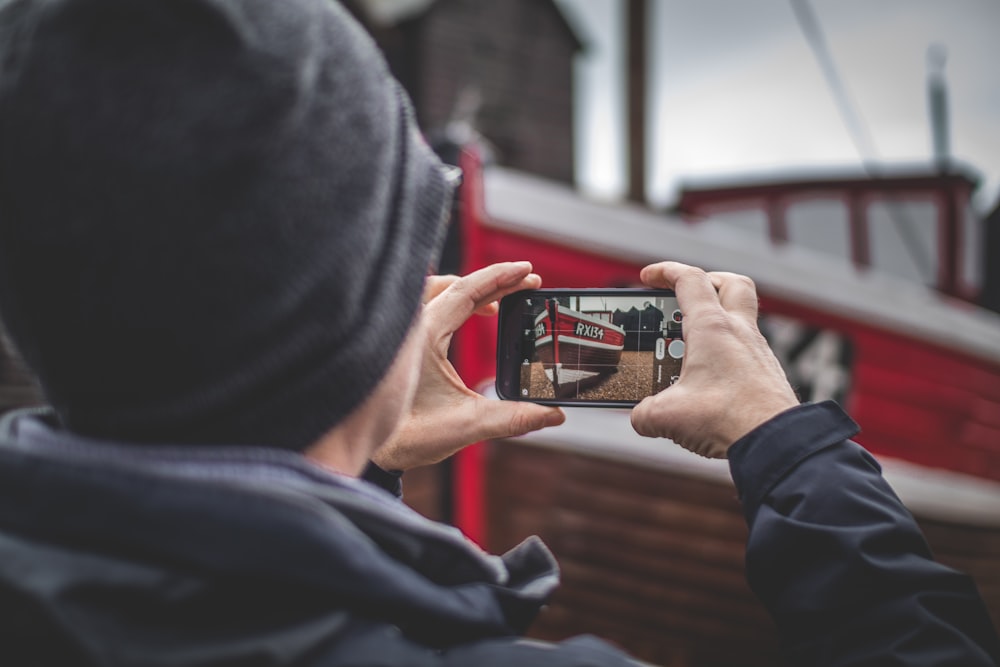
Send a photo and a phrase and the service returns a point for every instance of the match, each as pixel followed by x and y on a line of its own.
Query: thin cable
pixel 857 128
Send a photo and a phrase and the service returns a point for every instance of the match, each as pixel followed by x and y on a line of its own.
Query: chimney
pixel 937 99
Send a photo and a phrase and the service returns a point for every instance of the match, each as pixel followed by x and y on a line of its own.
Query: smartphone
pixel 588 347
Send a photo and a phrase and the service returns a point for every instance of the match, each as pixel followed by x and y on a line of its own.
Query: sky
pixel 735 88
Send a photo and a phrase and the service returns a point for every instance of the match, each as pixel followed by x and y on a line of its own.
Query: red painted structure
pixel 925 371
pixel 948 192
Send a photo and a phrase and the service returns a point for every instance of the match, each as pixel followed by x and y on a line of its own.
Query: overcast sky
pixel 735 87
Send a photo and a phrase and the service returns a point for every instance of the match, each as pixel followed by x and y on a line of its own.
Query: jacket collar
pixel 259 514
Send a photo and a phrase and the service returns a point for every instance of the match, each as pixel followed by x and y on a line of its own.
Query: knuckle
pixel 464 290
pixel 693 273
pixel 718 320
pixel 520 423
pixel 747 282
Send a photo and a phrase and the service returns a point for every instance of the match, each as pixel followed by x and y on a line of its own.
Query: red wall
pixel 914 401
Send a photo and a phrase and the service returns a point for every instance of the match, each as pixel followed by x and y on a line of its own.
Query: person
pixel 216 224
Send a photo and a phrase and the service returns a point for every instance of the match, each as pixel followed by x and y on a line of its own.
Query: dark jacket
pixel 837 559
pixel 127 555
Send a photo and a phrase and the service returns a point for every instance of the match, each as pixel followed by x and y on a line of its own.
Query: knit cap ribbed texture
pixel 215 215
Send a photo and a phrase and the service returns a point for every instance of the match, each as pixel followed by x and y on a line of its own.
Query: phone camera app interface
pixel 600 348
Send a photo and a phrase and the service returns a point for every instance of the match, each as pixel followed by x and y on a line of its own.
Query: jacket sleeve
pixel 837 559
pixel 390 481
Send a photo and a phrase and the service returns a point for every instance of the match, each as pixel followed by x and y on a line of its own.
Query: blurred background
pixel 843 153
pixel 736 86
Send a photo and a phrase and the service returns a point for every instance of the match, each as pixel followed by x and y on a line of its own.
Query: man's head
pixel 214 214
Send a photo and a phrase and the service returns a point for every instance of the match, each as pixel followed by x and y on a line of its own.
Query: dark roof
pixel 888 177
pixel 838 175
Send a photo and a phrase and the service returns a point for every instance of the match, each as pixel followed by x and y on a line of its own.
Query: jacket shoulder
pixel 386 646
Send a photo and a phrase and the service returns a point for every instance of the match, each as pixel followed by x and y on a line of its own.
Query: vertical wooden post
pixel 948 282
pixel 636 96
pixel 479 333
pixel 860 235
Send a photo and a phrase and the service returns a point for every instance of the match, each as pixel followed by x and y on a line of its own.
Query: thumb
pixel 651 417
pixel 641 419
pixel 506 419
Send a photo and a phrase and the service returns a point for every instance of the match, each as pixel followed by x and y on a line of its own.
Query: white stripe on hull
pixel 569 375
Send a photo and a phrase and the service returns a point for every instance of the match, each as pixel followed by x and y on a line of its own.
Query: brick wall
pixel 516 56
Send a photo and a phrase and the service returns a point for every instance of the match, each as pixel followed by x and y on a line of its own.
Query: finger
pixel 477 290
pixel 662 274
pixel 434 285
pixel 737 294
pixel 694 288
pixel 494 282
pixel 492 308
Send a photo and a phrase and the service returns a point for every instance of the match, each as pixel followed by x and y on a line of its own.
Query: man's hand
pixel 730 381
pixel 446 415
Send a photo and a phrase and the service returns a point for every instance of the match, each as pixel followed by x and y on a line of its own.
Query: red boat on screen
pixel 576 349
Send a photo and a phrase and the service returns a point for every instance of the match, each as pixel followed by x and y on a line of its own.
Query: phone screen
pixel 602 347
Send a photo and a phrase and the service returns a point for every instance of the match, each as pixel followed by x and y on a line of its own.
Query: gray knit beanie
pixel 215 215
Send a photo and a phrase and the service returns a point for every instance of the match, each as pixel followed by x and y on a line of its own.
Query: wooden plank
pixel 654 561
